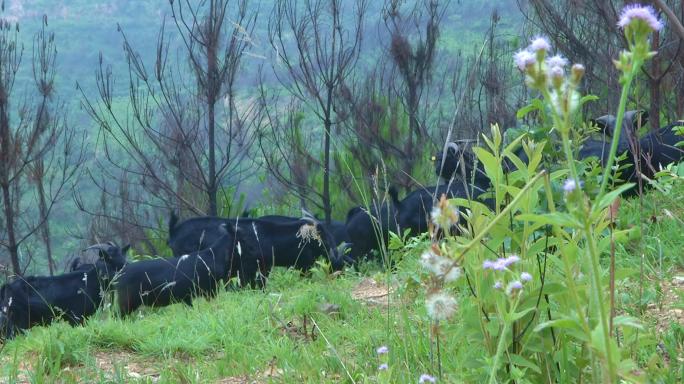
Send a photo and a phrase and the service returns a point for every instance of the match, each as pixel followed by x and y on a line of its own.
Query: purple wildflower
pixel 510 260
pixel 523 59
pixel 383 367
pixel 498 285
pixel 557 61
pixel 525 276
pixel 556 72
pixel 425 378
pixel 540 43
pixel 501 263
pixel 382 350
pixel 513 286
pixel 646 14
pixel 497 265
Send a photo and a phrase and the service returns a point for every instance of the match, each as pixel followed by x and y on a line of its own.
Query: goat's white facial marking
pixel 184 257
pixel 85 278
pixel 9 304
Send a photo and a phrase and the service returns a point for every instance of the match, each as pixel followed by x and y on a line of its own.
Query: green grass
pixel 260 336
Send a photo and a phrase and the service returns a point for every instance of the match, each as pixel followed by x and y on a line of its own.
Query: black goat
pixel 38 300
pixel 268 241
pixel 368 230
pixel 464 180
pixel 628 133
pixel 160 282
pixel 658 148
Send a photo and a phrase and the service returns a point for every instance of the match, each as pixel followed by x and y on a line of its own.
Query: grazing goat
pixel 39 300
pixel 160 282
pixel 368 230
pixel 464 180
pixel 268 241
pixel 658 148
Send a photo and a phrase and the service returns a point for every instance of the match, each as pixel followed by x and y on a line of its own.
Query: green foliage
pixel 356 161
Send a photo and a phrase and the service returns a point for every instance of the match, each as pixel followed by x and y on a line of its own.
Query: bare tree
pixel 187 131
pixel 375 131
pixel 38 150
pixel 315 54
pixel 587 32
pixel 414 61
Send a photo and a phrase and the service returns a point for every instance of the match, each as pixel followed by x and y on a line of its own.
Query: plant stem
pixel 618 128
pixel 495 221
pixel 591 242
pixel 502 341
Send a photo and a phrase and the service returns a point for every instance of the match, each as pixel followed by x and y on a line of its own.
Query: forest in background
pixel 403 75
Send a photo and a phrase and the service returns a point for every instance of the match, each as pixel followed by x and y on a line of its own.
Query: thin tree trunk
pixel 212 86
pixel 5 149
pixel 9 224
pixel 326 165
pixel 45 230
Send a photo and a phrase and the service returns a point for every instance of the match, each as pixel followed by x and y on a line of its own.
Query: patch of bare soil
pixel 667 311
pixel 270 374
pixel 372 293
pixel 134 368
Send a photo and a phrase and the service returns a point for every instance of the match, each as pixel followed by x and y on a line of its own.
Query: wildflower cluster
pixel 547 74
pixel 637 22
pixel 383 352
pixel 502 264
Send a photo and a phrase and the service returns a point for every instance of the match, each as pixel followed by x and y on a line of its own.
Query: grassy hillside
pixel 326 328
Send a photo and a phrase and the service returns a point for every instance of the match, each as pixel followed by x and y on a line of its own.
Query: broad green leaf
pixel 555 218
pixel 491 165
pixel 523 362
pixel 522 112
pixel 627 321
pixel 564 323
pixel 588 98
pixel 518 315
pixel 609 197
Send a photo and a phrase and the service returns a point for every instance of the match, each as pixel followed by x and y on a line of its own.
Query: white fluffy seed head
pixel 440 306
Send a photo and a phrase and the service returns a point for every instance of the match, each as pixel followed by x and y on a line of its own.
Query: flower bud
pixel 577 72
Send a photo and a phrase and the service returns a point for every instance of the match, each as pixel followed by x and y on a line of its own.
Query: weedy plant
pixel 532 265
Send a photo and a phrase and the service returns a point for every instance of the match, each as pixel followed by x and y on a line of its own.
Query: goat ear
pixel 125 249
pixel 173 221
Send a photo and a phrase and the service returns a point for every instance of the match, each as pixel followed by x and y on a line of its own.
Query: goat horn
pixel 452 145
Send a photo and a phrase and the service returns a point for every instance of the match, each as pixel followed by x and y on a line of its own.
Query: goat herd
pixel 209 249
